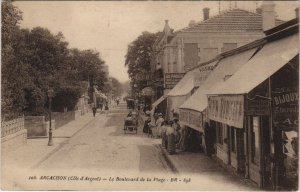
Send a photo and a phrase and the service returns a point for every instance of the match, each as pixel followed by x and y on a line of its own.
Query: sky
pixel 109 26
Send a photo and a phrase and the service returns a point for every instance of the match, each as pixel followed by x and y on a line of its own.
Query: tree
pixel 33 61
pixel 116 88
pixel 138 56
pixel 14 74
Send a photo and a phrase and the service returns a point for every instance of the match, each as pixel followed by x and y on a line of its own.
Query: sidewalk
pixel 201 165
pixel 36 150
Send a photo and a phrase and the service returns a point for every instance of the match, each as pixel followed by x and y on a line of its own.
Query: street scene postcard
pixel 149 95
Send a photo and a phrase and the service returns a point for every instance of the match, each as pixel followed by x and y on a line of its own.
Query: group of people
pixel 172 134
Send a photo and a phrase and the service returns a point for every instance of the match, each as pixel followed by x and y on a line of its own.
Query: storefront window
pixel 255 140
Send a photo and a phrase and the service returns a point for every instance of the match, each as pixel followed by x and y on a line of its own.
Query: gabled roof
pixel 231 20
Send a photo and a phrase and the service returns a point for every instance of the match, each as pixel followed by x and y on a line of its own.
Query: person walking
pixel 146 124
pixel 94 111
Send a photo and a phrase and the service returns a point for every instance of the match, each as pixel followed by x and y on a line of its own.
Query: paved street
pixel 105 158
pixel 104 146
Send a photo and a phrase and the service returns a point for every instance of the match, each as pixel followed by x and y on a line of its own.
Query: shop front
pixel 226 115
pixel 191 81
pixel 193 120
pixel 215 133
pixel 270 118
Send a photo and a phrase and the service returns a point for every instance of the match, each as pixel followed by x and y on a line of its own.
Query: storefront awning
pixel 192 119
pixel 184 86
pixel 158 101
pixel 265 63
pixel 225 68
pixel 191 79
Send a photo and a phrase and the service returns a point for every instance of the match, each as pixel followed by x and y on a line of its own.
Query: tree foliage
pixel 117 88
pixel 33 61
pixel 139 54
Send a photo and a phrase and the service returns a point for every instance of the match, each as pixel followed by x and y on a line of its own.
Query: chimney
pixel 268 15
pixel 167 27
pixel 205 13
pixel 297 12
pixel 259 10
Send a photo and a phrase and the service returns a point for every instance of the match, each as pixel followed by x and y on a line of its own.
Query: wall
pixel 207 45
pixel 37 126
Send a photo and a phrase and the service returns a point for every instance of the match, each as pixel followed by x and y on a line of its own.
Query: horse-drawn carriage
pixel 131 123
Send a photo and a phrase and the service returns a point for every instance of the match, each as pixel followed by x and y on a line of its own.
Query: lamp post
pixel 50 94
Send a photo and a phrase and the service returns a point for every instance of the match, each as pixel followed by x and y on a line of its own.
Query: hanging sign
pixel 257 107
pixel 195 120
pixel 227 109
pixel 171 79
pixel 191 118
pixel 183 116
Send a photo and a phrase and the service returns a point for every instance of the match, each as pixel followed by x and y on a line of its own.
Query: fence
pixel 12 126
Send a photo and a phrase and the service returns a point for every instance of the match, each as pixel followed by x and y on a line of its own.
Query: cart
pixel 131 124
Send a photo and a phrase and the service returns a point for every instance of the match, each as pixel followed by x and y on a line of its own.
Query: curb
pixel 168 160
pixel 36 165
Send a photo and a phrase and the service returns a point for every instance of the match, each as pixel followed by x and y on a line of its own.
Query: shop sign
pixel 257 107
pixel 191 118
pixel 201 75
pixel 227 109
pixel 285 108
pixel 171 79
pixel 142 76
pixel 195 119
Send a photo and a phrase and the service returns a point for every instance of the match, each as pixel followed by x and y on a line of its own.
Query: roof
pixel 225 68
pixel 265 63
pixel 188 82
pixel 231 20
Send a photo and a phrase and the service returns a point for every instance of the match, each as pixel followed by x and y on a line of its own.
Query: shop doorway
pixel 259 157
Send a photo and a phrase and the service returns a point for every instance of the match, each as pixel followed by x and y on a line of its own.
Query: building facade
pixel 178 52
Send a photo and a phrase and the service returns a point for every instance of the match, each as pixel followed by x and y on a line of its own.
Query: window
pixel 233 139
pixel 228 46
pixel 255 140
pixel 191 55
pixel 209 53
pixel 174 67
pixel 169 67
